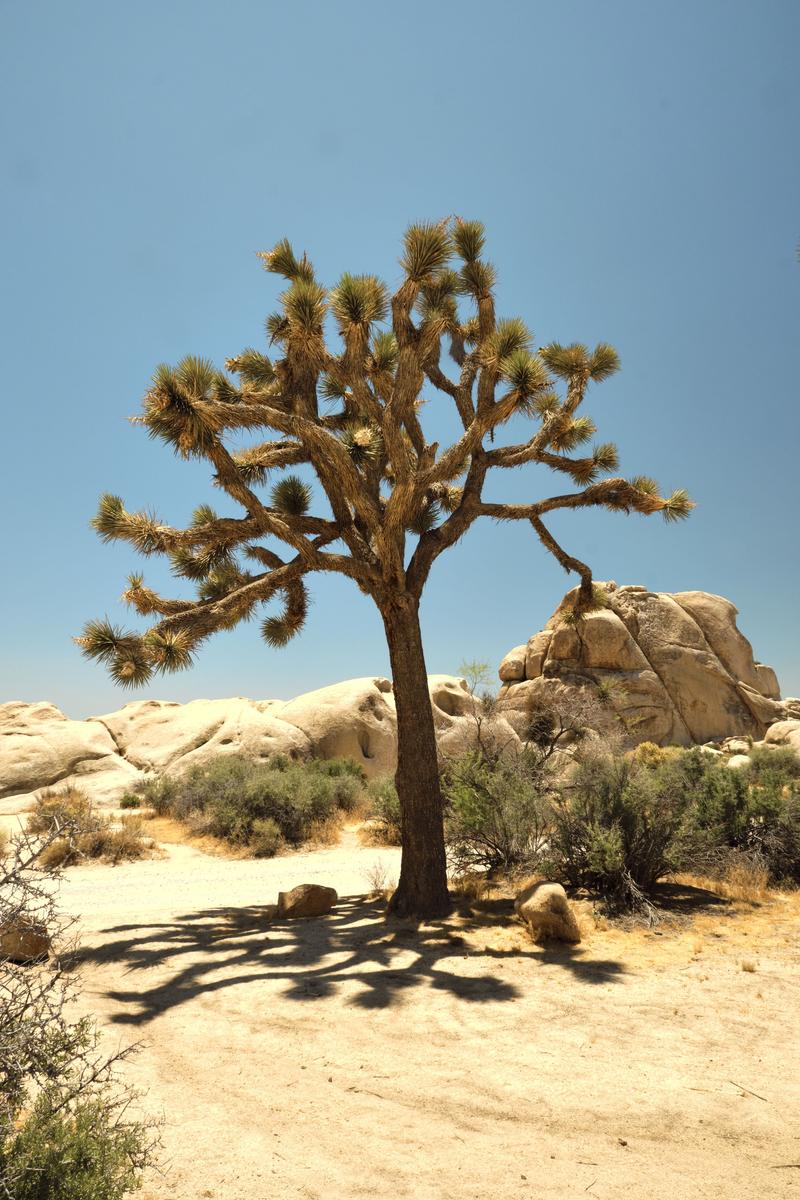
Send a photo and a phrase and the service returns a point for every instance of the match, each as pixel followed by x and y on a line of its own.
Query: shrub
pixel 620 829
pixel 66 1128
pixel 780 765
pixel 346 777
pixel 753 812
pixel 158 793
pixel 130 801
pixel 244 802
pixel 384 808
pixel 69 808
pixel 266 838
pixel 497 812
pixel 80 1153
pixel 75 831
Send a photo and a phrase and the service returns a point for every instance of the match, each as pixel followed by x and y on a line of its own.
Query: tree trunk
pixel 422 890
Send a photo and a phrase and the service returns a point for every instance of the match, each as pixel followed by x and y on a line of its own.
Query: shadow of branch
pixel 355 946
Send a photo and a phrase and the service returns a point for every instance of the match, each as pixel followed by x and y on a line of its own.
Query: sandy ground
pixel 346 1057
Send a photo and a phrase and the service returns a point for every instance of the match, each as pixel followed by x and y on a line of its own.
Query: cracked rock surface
pixel 40 747
pixel 680 670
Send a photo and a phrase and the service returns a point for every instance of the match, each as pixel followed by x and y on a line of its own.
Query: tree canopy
pixel 351 411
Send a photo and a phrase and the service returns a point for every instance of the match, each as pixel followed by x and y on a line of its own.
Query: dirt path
pixel 345 1058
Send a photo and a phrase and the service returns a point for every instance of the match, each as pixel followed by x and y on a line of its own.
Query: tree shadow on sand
pixel 210 950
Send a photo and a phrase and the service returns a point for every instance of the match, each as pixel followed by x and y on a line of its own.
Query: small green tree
pixel 395 501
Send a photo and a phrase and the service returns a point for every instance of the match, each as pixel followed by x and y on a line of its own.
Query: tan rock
pixel 716 617
pixel 738 762
pixel 512 667
pixel 564 644
pixel 606 642
pixel 155 735
pixel 306 900
pixel 536 653
pixel 736 745
pixel 108 755
pixel 765 711
pixel 784 733
pixel 355 719
pixel 497 735
pixel 40 747
pixel 546 911
pixel 678 668
pixel 450 697
pixel 767 682
pixel 23 941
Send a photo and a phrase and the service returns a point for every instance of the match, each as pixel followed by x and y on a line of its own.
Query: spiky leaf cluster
pixel 362 441
pixel 291 496
pixel 349 409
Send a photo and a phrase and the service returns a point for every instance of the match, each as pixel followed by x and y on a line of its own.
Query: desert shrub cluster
pixel 497 810
pixel 79 832
pixel 619 823
pixel 261 806
pixel 383 807
pixel 67 1124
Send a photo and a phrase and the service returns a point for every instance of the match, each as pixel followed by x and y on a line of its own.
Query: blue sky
pixel 635 165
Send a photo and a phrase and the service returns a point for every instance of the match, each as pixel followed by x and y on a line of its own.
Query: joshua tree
pixel 395 501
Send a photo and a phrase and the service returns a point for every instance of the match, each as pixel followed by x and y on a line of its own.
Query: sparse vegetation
pixel 497 813
pixel 66 1124
pixel 617 824
pixel 378 879
pixel 384 810
pixel 617 830
pixel 263 807
pixel 752 814
pixel 79 832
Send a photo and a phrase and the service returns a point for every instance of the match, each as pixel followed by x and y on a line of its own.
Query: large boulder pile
pixel 673 665
pixel 107 755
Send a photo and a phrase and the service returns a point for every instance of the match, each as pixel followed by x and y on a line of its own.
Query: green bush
pixel 384 808
pixel 158 793
pixel 620 828
pixel 82 1152
pixel 261 805
pixel 130 801
pixel 67 1124
pixel 780 765
pixel 497 812
pixel 347 780
pixel 266 838
pixel 754 811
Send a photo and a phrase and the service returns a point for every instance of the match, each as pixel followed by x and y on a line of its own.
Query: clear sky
pixel 637 169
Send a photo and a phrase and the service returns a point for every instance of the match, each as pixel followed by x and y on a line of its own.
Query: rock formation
pixel 545 909
pixel 676 668
pixel 307 900
pixel 106 756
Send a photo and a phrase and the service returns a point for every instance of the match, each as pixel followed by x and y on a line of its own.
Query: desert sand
pixel 347 1057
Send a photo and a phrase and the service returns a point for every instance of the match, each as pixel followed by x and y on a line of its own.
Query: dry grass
pixel 374 832
pixel 471 887
pixel 67 807
pixel 742 881
pixel 86 833
pixel 328 831
pixel 380 883
pixel 749 966
pixel 107 844
pixel 169 832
